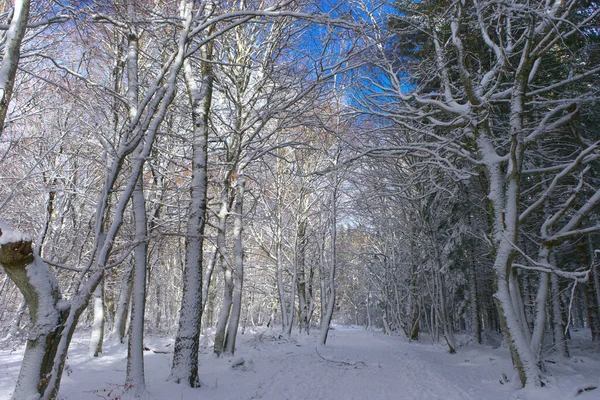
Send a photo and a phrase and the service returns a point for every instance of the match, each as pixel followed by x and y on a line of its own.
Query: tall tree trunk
pixel 185 357
pixel 134 379
pixel 326 322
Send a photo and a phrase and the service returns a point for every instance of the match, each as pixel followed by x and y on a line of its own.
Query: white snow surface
pixel 355 364
pixel 9 235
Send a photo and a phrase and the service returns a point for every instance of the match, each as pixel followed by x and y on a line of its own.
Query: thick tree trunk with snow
pixel 40 289
pixel 12 53
pixel 185 359
pixel 522 357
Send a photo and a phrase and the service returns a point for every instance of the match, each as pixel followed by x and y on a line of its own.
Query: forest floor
pixel 355 364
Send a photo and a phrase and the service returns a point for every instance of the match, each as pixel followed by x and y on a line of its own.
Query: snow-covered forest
pixel 299 199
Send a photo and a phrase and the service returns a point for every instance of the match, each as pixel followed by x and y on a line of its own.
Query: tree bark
pixel 47 312
pixel 558 325
pixel 120 326
pixel 134 378
pixel 187 342
pixel 326 322
pixel 12 54
pixel 238 273
pixel 221 328
pixel 97 336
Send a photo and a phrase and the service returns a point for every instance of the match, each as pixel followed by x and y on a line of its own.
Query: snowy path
pixel 362 366
pixel 355 364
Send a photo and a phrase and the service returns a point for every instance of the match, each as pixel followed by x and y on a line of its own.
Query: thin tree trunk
pixel 474 308
pixel 210 267
pixel 279 258
pixel 134 379
pixel 238 274
pixel 558 325
pixel 301 275
pixel 120 326
pixel 15 324
pixel 331 300
pixel 539 327
pixel 221 328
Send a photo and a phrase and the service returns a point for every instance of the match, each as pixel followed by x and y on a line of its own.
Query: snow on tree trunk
pixel 47 312
pixel 517 342
pixel 185 358
pixel 238 273
pixel 97 335
pixel 134 378
pixel 12 53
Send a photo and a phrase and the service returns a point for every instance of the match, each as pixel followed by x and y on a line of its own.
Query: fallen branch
pixel 355 365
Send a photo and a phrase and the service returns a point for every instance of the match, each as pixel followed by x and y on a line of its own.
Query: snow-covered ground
pixel 355 364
